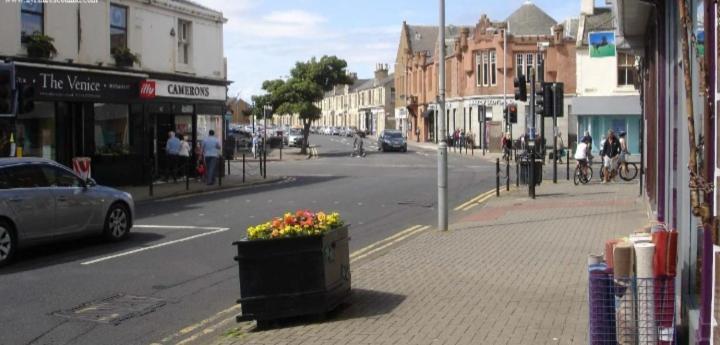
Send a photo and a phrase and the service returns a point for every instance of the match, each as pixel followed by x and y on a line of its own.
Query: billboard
pixel 601 44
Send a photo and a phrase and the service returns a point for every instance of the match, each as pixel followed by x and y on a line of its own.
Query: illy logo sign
pixel 147 89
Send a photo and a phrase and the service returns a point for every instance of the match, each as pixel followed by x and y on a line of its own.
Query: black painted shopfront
pixel 83 112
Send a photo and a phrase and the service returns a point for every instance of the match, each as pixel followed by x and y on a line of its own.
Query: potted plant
pixel 124 57
pixel 298 264
pixel 39 46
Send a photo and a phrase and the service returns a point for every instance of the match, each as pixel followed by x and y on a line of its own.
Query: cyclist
pixel 506 146
pixel 581 154
pixel 611 153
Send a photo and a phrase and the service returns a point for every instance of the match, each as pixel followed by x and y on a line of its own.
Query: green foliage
pixel 39 45
pixel 124 54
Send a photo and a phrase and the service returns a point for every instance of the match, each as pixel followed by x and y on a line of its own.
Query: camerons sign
pixel 162 88
pixel 60 84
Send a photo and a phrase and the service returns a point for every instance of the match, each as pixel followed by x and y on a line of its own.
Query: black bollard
pixel 219 172
pixel 517 174
pixel 507 175
pixel 568 165
pixel 187 174
pixel 243 177
pixel 264 164
pixel 497 177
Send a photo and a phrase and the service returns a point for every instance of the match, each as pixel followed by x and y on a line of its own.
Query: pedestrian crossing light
pixel 520 89
pixel 7 89
pixel 543 100
pixel 512 113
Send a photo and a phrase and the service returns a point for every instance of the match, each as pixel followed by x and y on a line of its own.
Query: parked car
pixel 243 139
pixel 295 138
pixel 335 131
pixel 41 201
pixel 392 140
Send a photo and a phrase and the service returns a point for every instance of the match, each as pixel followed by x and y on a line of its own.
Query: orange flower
pixel 308 222
pixel 277 223
pixel 299 213
pixel 275 234
pixel 289 219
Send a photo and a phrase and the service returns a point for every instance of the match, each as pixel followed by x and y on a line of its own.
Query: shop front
pixel 72 111
pixel 598 115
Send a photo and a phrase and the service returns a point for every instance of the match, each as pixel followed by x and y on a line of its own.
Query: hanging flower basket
pixel 295 265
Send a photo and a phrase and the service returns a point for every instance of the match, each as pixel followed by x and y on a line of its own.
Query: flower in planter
pixel 39 46
pixel 124 57
pixel 302 223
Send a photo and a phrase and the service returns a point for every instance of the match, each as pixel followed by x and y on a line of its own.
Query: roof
pixel 602 20
pixel 15 160
pixel 530 20
pixel 360 84
pixel 423 38
pixel 195 4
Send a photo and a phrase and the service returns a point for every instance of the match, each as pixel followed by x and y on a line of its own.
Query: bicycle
pixel 583 173
pixel 626 170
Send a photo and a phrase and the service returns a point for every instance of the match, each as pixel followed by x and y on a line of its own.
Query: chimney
pixel 587 7
pixel 381 71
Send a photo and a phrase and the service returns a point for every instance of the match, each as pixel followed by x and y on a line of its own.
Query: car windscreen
pixel 393 135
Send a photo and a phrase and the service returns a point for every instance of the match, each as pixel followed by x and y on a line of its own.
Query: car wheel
pixel 117 222
pixel 8 242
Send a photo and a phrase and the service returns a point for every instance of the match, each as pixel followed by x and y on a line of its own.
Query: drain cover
pixel 112 310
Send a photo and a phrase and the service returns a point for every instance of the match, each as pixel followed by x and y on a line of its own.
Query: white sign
pixel 401 113
pixel 166 88
pixel 485 101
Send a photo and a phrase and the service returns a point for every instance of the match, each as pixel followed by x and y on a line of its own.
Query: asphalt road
pixel 177 267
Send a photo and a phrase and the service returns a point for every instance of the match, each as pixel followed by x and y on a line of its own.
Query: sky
pixel 264 38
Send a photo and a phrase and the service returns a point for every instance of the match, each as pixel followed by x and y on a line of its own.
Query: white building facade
pixel 87 100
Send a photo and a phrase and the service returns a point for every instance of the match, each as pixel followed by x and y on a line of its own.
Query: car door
pixel 30 201
pixel 74 205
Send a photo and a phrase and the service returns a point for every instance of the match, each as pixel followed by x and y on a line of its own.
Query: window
pixel 26 176
pixel 626 69
pixel 493 69
pixel 111 129
pixel 31 14
pixel 183 41
pixel 4 180
pixel 118 26
pixel 35 131
pixel 519 66
pixel 529 64
pixel 485 71
pixel 478 70
pixel 57 177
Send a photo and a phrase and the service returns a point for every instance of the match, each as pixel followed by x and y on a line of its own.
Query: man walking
pixel 611 153
pixel 211 151
pixel 172 149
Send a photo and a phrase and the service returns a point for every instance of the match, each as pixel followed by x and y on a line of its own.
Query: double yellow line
pixel 380 245
pixel 218 321
pixel 475 201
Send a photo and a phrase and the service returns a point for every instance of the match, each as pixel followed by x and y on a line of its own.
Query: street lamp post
pixel 442 147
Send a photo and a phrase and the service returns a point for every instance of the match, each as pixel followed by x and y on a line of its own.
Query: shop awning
pixel 606 105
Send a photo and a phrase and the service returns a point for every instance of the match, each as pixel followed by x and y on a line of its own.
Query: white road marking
pixel 213 230
pixel 146 226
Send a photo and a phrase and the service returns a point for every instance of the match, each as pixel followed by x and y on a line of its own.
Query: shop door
pixel 71 133
pixel 163 125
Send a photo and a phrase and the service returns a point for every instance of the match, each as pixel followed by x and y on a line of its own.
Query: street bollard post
pixel 243 178
pixel 264 164
pixel 219 171
pixel 187 174
pixel 568 165
pixel 507 175
pixel 228 165
pixel 517 174
pixel 281 146
pixel 497 177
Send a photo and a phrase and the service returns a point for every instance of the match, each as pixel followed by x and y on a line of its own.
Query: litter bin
pixel 525 172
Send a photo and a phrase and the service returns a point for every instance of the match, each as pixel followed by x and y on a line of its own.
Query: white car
pixel 295 138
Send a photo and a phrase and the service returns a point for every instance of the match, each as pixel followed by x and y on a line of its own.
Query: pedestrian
pixel 255 144
pixel 611 153
pixel 560 148
pixel 506 146
pixel 211 151
pixel 172 148
pixel 624 152
pixel 183 153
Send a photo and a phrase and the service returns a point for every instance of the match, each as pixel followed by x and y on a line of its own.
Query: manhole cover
pixel 412 203
pixel 113 310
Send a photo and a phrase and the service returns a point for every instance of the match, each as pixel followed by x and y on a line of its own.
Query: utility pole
pixel 555 132
pixel 442 146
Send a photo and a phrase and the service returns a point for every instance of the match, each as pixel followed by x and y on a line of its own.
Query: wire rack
pixel 631 310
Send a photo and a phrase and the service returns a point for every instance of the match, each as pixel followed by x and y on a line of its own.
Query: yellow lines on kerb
pixel 379 246
pixel 474 201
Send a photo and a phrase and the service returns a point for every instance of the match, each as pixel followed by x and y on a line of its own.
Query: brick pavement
pixel 512 271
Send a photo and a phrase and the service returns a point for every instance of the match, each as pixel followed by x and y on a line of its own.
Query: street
pixel 177 269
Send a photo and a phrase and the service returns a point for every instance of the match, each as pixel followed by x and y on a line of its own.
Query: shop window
pixel 183 126
pixel 32 18
pixel 626 69
pixel 205 123
pixel 529 64
pixel 112 129
pixel 36 131
pixel 519 65
pixel 118 26
pixel 183 41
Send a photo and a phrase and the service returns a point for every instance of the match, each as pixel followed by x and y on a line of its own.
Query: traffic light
pixel 520 89
pixel 544 99
pixel 559 97
pixel 26 98
pixel 512 113
pixel 7 88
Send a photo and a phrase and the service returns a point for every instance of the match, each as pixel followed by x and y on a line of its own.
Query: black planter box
pixel 296 276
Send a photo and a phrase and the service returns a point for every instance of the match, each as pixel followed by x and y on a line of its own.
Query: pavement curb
pixel 210 191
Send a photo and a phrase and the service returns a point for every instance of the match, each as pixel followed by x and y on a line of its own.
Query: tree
pixel 306 86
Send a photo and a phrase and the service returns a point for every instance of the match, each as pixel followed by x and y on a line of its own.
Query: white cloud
pixel 297 17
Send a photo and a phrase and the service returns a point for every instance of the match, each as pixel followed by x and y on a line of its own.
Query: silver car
pixel 41 200
pixel 295 138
